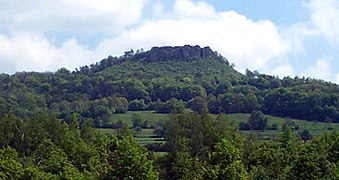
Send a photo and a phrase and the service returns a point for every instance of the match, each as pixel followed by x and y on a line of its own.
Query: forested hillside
pixel 166 79
pixel 47 121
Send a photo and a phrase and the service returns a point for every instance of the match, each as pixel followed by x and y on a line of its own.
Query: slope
pixel 165 79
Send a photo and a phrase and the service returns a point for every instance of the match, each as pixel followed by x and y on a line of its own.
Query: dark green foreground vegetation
pixel 44 147
pixel 198 147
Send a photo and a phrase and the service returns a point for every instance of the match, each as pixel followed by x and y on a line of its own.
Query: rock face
pixel 181 53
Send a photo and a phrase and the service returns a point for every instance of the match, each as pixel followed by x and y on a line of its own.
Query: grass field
pixel 146 136
pixel 315 128
pixel 150 116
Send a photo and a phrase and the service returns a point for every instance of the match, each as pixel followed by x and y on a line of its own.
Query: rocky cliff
pixel 180 53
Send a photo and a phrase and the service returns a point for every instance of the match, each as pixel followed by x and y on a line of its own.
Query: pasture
pixel 146 136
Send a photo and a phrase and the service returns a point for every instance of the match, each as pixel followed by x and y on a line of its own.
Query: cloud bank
pixel 324 17
pixel 30 30
pixel 77 16
pixel 244 42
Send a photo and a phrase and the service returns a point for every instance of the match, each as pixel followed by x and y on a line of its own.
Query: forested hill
pixel 165 79
pixel 169 62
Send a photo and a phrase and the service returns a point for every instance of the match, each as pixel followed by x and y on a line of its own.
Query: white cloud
pixel 246 43
pixel 325 15
pixel 323 23
pixel 295 35
pixel 283 70
pixel 321 70
pixel 158 9
pixel 337 78
pixel 26 25
pixel 257 45
pixel 188 9
pixel 79 16
pixel 34 52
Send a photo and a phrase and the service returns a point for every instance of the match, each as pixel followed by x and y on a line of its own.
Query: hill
pixel 46 121
pixel 165 79
pixel 173 62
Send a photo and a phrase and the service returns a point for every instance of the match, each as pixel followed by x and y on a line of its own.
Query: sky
pixel 280 37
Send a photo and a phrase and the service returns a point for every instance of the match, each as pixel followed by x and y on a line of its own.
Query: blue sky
pixel 280 37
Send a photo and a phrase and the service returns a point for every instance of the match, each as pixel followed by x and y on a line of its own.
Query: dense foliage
pixel 166 79
pixel 44 147
pixel 200 148
pixel 46 120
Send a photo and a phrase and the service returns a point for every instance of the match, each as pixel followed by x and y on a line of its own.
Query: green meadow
pixel 146 136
